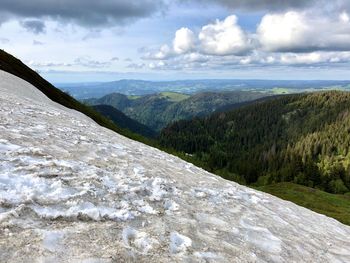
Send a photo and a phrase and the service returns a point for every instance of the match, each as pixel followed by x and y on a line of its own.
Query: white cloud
pixel 304 32
pixel 224 38
pixel 157 65
pixel 164 52
pixel 184 41
pixel 314 58
pixel 84 62
pixel 196 57
pixel 318 58
pixel 279 32
pixel 246 61
pixel 290 39
pixel 344 17
pixel 91 63
pixel 136 65
pixel 48 64
pixel 308 58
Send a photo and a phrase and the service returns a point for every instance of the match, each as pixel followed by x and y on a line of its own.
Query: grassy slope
pixel 133 97
pixel 332 205
pixel 14 66
pixel 174 96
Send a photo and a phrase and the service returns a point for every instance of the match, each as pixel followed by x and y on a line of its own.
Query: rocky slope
pixel 72 191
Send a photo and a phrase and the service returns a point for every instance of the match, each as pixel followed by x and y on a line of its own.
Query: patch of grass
pixel 133 97
pixel 332 205
pixel 281 91
pixel 174 96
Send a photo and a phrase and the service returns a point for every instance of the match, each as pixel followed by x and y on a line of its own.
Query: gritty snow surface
pixel 72 191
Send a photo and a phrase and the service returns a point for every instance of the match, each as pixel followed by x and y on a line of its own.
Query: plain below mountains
pixel 158 110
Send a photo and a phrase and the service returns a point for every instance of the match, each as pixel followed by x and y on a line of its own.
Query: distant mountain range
pixel 140 87
pixel 158 110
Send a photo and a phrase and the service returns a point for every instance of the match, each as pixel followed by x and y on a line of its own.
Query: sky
pixel 92 41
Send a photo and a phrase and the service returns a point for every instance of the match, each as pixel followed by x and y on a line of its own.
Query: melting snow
pixel 52 239
pixel 179 243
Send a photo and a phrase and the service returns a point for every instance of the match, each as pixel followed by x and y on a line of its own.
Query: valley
pixel 158 110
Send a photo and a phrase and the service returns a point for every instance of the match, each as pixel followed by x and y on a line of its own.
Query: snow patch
pixel 144 207
pixel 179 243
pixel 207 255
pixel 138 240
pixel 52 240
pixel 261 238
pixel 25 188
pixel 170 205
pixel 84 211
pixel 5 146
pixel 157 189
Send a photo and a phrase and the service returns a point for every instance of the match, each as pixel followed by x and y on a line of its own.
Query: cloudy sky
pixel 89 40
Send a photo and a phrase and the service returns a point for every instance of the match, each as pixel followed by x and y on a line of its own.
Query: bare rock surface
pixel 72 191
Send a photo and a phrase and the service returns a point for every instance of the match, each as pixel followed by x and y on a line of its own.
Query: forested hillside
pixel 303 139
pixel 158 110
